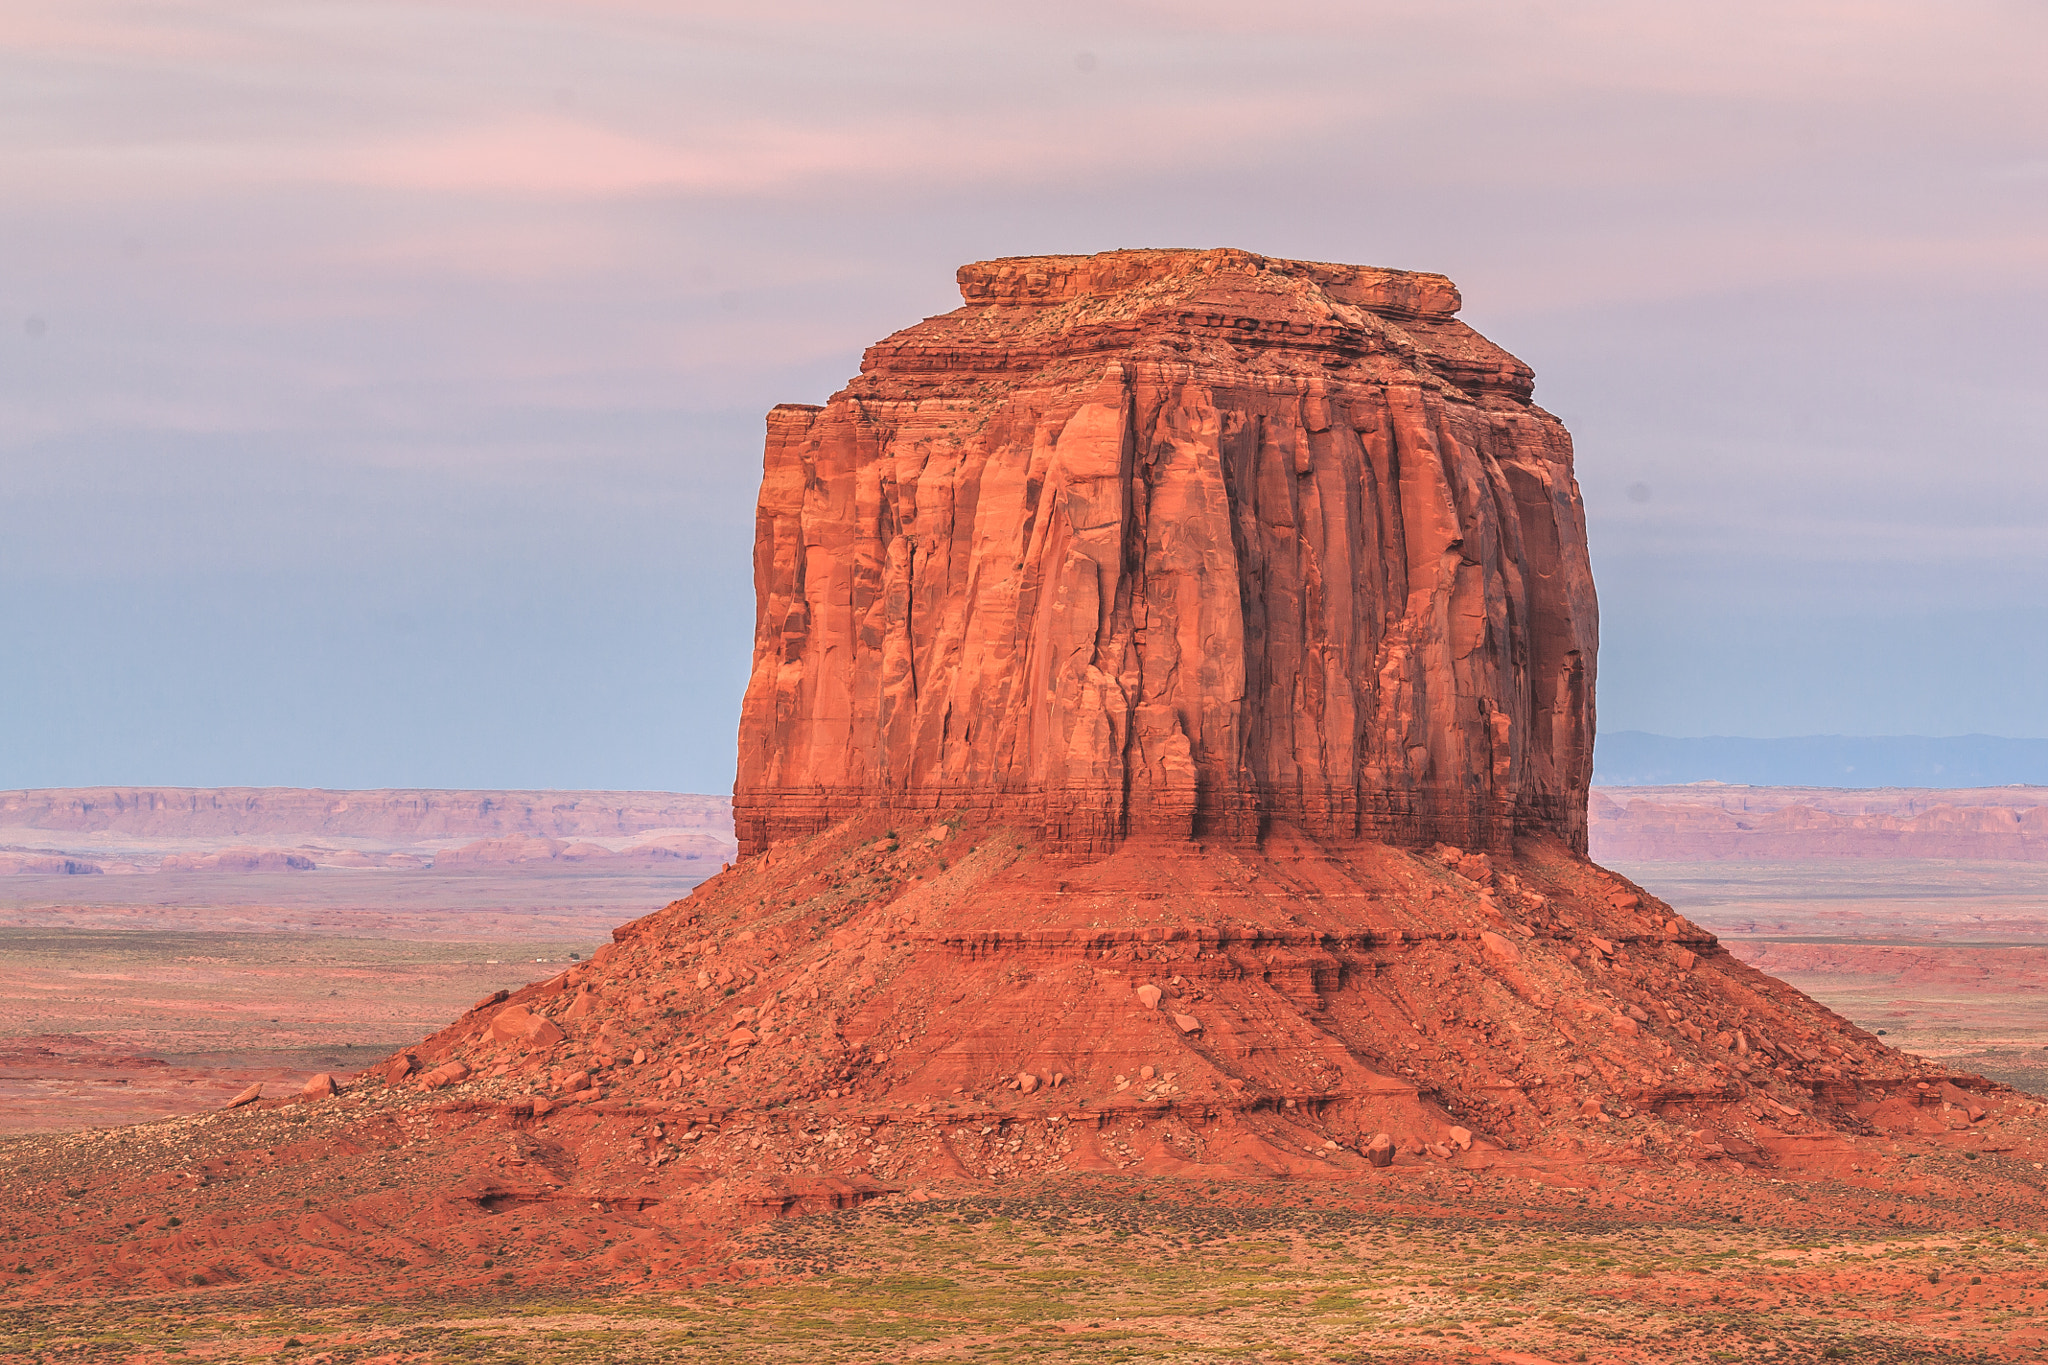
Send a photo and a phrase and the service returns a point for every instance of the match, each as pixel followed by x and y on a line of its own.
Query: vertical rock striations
pixel 1160 544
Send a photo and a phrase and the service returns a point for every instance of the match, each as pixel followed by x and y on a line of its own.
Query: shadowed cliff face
pixel 1166 544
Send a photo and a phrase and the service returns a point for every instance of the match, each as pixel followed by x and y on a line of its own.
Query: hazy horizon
pixel 1624 758
pixel 381 386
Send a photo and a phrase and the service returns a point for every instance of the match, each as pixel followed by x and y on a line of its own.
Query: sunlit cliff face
pixel 1167 543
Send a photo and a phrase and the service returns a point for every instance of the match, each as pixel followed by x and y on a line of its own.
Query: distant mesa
pixel 396 815
pixel 239 860
pixel 46 864
pixel 1713 821
pixel 528 849
pixel 228 831
pixel 519 848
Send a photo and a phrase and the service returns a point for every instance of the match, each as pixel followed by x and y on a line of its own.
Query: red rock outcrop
pixel 1173 543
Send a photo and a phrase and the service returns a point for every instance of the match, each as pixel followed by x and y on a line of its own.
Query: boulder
pixel 445 1075
pixel 1379 1151
pixel 513 1025
pixel 542 1033
pixel 320 1087
pixel 1149 996
pixel 1497 947
pixel 249 1096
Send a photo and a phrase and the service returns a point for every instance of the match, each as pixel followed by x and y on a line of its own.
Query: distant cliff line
pixel 1677 823
pixel 1712 822
pixel 398 814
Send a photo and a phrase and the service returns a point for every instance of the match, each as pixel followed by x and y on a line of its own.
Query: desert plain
pixel 138 1004
pixel 165 950
pixel 1918 913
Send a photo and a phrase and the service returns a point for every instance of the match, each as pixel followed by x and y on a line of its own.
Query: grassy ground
pixel 1053 1280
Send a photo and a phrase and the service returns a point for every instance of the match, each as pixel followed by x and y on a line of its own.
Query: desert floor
pixel 1948 959
pixel 132 998
pixel 1127 1273
pixel 163 1000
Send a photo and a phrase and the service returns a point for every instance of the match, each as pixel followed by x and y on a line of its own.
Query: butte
pixel 1166 756
pixel 1167 751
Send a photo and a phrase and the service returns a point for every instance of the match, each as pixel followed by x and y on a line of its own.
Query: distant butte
pixel 1166 755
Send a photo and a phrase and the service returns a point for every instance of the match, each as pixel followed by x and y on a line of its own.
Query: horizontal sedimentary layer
pixel 1047 280
pixel 1224 937
pixel 1469 373
pixel 1086 820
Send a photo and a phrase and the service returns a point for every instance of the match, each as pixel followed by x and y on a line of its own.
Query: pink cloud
pixel 555 156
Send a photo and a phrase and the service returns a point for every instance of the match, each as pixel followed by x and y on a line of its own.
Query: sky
pixel 381 385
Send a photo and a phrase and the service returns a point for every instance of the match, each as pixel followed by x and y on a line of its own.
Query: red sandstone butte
pixel 1173 543
pixel 1189 592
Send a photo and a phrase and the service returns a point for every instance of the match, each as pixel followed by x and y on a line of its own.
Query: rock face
pixel 1161 544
